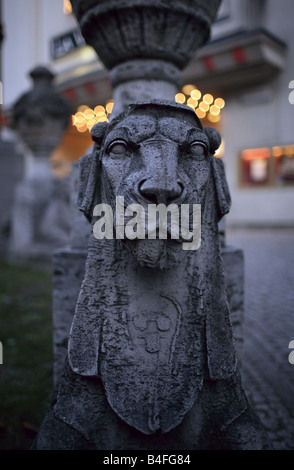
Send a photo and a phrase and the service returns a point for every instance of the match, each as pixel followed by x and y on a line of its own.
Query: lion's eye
pixel 198 150
pixel 118 148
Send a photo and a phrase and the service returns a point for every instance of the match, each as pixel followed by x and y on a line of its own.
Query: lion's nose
pixel 158 192
pixel 160 180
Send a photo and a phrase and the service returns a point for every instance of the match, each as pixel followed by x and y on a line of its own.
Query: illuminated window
pixel 255 166
pixel 284 164
pixel 267 166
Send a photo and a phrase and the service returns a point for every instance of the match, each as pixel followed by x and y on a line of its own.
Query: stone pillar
pixel 145 44
pixel 40 214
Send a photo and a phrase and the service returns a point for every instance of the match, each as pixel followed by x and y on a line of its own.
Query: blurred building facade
pixel 242 82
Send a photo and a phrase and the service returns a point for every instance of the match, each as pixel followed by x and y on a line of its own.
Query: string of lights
pixel 205 106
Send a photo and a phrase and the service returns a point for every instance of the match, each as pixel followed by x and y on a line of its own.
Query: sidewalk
pixel 268 327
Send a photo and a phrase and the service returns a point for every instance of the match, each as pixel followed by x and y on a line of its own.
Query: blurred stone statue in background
pixel 40 219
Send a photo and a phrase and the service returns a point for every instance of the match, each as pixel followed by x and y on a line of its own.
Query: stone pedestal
pixel 68 274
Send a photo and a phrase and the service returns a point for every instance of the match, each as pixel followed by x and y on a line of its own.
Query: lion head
pixel 155 153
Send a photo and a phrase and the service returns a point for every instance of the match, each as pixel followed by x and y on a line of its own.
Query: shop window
pixel 284 164
pixel 267 166
pixel 255 167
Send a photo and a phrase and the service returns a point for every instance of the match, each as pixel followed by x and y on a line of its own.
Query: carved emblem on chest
pixel 152 328
pixel 154 331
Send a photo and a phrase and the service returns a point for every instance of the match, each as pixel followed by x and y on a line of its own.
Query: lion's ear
pixel 98 132
pixel 214 138
pixel 223 196
pixel 89 173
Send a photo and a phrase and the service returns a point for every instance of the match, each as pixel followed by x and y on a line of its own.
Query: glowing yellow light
pixel 219 102
pixel 92 121
pixel 277 151
pixel 79 117
pixel 109 106
pixel 80 122
pixel 288 150
pixel 102 119
pixel 88 113
pixel 208 98
pixel 73 120
pixel 196 94
pixel 204 106
pixel 220 151
pixel 180 98
pixel 67 8
pixel 99 110
pixel 201 114
pixel 213 117
pixel 82 108
pixel 82 127
pixel 187 89
pixel 191 102
pixel 214 110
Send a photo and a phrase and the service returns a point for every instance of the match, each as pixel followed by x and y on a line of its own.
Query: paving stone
pixel 267 375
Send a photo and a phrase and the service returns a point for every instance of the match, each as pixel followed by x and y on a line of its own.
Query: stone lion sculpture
pixel 151 360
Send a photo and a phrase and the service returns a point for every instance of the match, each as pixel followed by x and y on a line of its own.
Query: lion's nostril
pixel 151 197
pixel 157 192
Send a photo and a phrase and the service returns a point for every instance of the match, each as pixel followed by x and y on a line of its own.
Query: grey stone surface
pixel 233 262
pixel 79 227
pixel 68 274
pixel 152 362
pixel 145 69
pixel 133 91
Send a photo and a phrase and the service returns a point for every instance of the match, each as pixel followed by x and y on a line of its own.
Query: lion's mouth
pixel 133 227
pixel 161 254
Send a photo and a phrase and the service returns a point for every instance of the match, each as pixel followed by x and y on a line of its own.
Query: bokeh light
pixel 204 105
